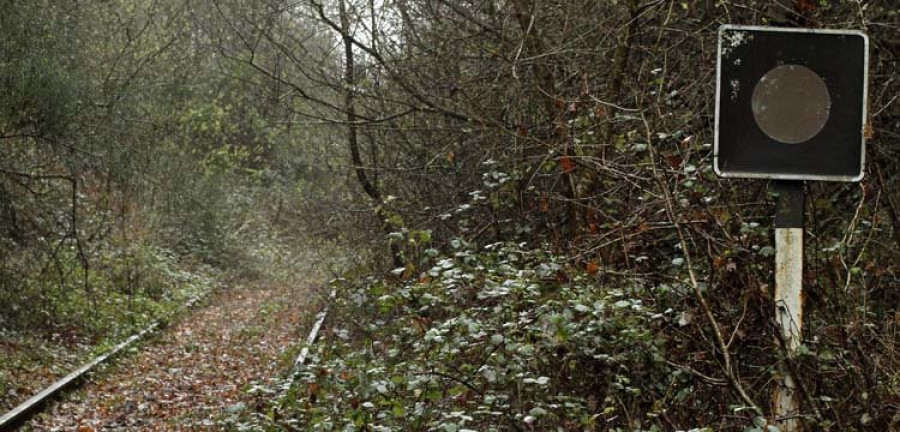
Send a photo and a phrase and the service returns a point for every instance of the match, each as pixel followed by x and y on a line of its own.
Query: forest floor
pixel 195 373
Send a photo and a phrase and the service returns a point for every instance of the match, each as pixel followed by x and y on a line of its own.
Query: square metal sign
pixel 791 103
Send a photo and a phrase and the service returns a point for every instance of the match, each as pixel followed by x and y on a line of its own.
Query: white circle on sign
pixel 791 104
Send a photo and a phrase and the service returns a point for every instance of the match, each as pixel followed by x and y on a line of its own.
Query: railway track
pixel 22 413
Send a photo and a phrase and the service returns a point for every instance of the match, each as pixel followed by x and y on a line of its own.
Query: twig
pixel 701 375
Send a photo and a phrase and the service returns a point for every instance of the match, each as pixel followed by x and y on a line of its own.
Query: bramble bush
pixel 501 338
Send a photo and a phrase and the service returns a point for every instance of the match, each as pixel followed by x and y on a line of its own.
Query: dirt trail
pixel 194 372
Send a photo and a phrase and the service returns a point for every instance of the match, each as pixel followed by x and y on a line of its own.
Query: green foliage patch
pixel 489 340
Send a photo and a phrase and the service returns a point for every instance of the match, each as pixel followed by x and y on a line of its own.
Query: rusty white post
pixel 788 294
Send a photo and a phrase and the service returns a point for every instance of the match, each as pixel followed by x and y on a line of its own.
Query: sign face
pixel 791 103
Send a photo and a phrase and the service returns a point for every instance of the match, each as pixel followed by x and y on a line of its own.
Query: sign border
pixel 865 103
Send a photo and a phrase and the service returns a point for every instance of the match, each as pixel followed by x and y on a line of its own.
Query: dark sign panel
pixel 791 103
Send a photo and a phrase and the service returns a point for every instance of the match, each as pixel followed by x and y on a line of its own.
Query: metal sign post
pixel 788 293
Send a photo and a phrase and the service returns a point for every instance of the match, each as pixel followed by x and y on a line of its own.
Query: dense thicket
pixel 126 143
pixel 576 133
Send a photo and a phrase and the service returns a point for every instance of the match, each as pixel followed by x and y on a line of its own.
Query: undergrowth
pixel 512 337
pixel 502 338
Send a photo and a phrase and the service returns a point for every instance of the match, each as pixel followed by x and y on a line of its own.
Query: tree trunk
pixel 368 186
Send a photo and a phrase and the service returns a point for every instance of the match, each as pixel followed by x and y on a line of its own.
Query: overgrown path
pixel 194 374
